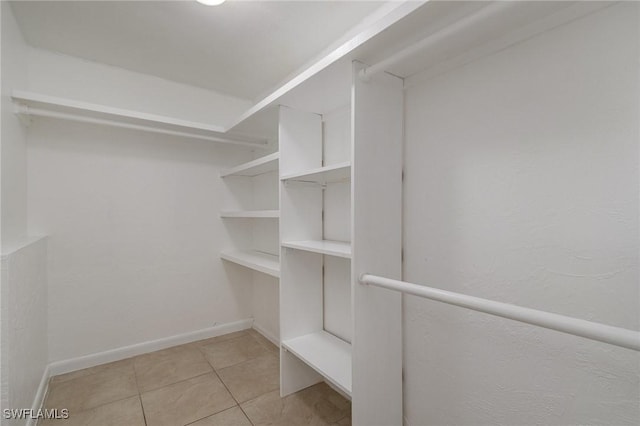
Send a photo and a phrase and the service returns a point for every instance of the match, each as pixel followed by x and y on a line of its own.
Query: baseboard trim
pixel 266 334
pixel 66 366
pixel 38 401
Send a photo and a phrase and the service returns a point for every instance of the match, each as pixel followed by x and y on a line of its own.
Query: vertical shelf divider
pixel 377 133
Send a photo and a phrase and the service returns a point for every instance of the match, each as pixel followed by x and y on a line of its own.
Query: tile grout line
pixel 135 375
pixel 232 396
pixel 144 415
pixel 202 352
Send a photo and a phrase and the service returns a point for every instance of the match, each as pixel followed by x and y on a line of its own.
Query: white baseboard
pixel 38 401
pixel 266 334
pixel 66 366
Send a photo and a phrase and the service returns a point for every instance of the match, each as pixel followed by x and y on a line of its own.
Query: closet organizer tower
pixel 340 192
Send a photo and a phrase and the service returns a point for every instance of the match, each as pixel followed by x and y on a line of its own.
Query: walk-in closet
pixel 244 213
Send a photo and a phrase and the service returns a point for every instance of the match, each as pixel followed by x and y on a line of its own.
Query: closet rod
pixel 37 112
pixel 431 39
pixel 591 330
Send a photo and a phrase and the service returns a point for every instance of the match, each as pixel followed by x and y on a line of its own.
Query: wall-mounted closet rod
pixel 438 36
pixel 37 112
pixel 591 330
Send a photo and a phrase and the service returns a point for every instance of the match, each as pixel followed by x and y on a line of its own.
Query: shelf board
pixel 326 354
pixel 36 104
pixel 268 163
pixel 323 175
pixel 332 248
pixel 250 214
pixel 256 260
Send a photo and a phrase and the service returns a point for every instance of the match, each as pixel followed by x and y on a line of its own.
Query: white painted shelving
pixel 253 187
pixel 251 214
pixel 322 175
pixel 315 287
pixel 331 248
pixel 253 259
pixel 327 355
pixel 266 164
pixel 40 105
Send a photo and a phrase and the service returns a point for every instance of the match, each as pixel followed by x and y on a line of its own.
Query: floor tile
pixel 85 392
pixel 187 401
pixel 168 366
pixel 252 378
pixel 264 341
pixel 222 338
pixel 317 405
pixel 344 422
pixel 231 417
pixel 122 365
pixel 124 412
pixel 231 352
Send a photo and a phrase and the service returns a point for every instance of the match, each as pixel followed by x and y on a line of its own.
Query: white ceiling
pixel 241 48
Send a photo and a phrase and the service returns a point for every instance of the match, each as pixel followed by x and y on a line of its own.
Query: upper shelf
pixel 323 175
pixel 268 163
pixel 247 214
pixel 35 104
pixel 331 248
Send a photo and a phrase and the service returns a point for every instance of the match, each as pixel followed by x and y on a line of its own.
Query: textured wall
pixel 522 186
pixel 134 235
pixel 24 324
pixel 13 148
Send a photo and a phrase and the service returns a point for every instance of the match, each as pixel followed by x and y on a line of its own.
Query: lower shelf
pixel 256 260
pixel 326 354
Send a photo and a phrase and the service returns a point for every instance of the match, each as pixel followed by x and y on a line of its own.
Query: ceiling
pixel 241 48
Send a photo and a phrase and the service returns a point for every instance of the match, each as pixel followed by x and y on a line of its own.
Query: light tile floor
pixel 229 380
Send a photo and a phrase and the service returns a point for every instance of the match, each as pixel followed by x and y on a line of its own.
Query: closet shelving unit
pixel 315 185
pixel 261 257
pixel 421 42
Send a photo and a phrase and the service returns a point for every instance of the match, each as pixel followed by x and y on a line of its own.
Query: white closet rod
pixel 27 110
pixel 438 36
pixel 591 330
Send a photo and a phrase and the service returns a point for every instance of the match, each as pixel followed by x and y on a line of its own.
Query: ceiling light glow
pixel 211 2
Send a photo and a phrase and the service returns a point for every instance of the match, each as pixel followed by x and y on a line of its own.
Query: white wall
pixel 66 76
pixel 23 291
pixel 522 186
pixel 24 321
pixel 135 235
pixel 133 217
pixel 13 148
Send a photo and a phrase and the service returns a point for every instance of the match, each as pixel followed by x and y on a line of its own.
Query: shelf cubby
pixel 327 355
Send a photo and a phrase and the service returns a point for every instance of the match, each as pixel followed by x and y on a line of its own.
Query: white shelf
pixel 326 354
pixel 256 260
pixel 251 214
pixel 323 175
pixel 332 248
pixel 39 105
pixel 268 163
